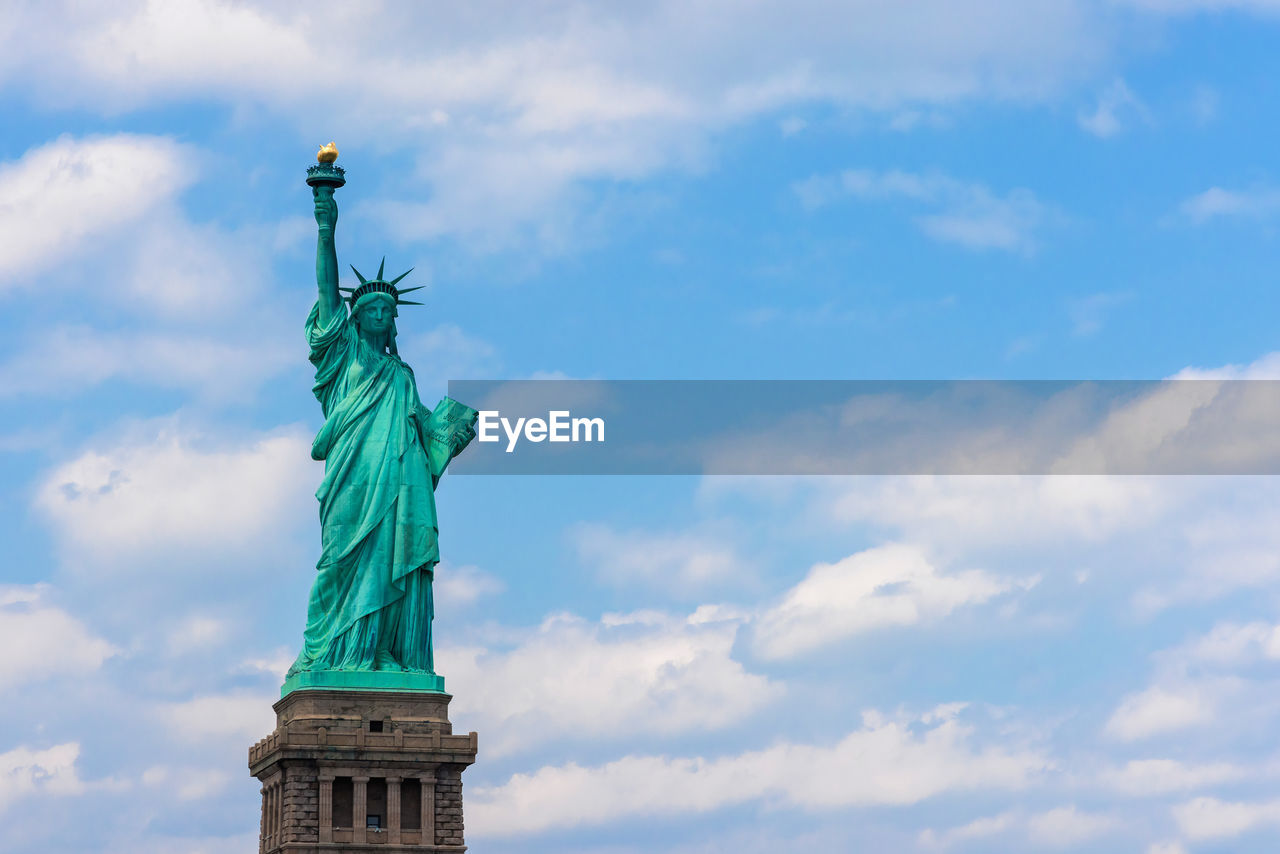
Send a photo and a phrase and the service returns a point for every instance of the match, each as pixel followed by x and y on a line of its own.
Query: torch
pixel 326 173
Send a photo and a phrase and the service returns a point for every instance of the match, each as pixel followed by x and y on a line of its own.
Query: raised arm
pixel 326 256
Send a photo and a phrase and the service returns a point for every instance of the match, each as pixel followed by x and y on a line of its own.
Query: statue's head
pixel 373 304
pixel 375 312
pixel 375 318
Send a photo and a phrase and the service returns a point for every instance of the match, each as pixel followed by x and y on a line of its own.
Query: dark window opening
pixel 343 802
pixel 375 726
pixel 373 822
pixel 411 804
pixel 376 801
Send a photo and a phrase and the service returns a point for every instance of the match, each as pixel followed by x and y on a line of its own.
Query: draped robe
pixel 371 605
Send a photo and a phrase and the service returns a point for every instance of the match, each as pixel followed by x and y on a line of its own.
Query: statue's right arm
pixel 330 300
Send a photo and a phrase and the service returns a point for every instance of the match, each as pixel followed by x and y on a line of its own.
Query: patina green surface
pixel 370 611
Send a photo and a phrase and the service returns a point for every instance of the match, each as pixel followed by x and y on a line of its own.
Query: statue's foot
pixel 384 660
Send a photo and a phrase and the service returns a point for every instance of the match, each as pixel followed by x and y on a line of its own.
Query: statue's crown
pixel 379 285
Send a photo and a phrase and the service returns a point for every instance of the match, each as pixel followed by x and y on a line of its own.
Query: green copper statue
pixel 369 616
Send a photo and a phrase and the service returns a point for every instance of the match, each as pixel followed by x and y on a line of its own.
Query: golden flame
pixel 327 153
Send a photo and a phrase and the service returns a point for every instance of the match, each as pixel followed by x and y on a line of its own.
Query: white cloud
pixel 196 632
pixel 1148 777
pixel 1072 428
pixel 459 586
pixel 158 50
pixel 979 828
pixel 885 762
pixel 998 509
pixel 276 663
pixel 1061 827
pixel 1064 827
pixel 1215 202
pixel 68 359
pixel 200 785
pixel 98 215
pixel 1198 683
pixel 157 842
pixel 52 771
pixel 155 51
pixel 1265 367
pixel 985 222
pixel 893 585
pixel 187 783
pixel 1228 541
pixel 38 640
pixel 1210 818
pixel 1178 427
pixel 64 192
pixel 513 111
pixel 167 488
pixel 967 214
pixel 1116 105
pixel 240 715
pixel 1229 644
pixel 1161 709
pixel 513 115
pixel 640 673
pixel 178 269
pixel 688 560
pixel 20 594
pixel 1182 540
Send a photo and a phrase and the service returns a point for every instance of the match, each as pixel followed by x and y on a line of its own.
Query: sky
pixel 995 189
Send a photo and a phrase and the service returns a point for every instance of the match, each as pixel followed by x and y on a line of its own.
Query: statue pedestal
pixel 359 770
pixel 364 680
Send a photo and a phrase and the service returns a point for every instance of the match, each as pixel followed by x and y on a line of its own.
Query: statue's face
pixel 376 316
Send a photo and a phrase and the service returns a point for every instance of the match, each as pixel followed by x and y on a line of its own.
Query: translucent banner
pixel 871 427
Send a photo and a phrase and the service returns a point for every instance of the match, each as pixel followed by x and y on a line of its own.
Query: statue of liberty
pixel 370 611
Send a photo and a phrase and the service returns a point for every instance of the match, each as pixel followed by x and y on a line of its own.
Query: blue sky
pixel 994 189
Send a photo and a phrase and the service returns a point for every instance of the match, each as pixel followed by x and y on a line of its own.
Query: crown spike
pixel 407 302
pixel 408 290
pixel 397 279
pixel 382 267
pixel 362 279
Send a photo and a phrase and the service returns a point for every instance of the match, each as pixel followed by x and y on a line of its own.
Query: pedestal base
pixel 354 770
pixel 361 680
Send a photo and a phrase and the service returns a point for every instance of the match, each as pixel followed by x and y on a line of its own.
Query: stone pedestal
pixel 362 771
